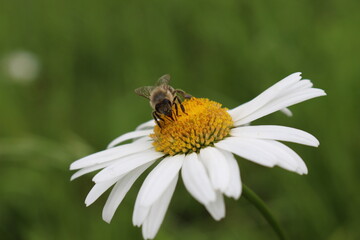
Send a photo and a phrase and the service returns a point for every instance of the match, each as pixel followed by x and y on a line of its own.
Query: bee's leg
pixel 176 107
pixel 157 118
pixel 182 108
pixel 176 98
pixel 171 117
pixel 183 94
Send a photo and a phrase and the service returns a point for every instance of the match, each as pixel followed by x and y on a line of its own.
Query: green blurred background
pixel 68 70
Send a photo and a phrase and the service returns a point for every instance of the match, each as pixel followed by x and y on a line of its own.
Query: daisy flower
pixel 199 146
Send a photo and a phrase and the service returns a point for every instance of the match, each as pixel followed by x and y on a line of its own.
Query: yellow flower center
pixel 203 123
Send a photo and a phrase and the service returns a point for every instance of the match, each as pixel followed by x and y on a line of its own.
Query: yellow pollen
pixel 204 123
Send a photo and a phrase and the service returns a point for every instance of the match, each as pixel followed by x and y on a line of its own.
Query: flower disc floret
pixel 204 123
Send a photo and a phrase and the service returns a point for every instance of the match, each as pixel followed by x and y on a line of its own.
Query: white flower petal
pixel 276 133
pixel 159 179
pixel 301 85
pixel 266 96
pixel 98 190
pixel 119 191
pixel 248 149
pixel 287 112
pixel 196 179
pixel 90 169
pixel 282 102
pixel 157 212
pixel 140 213
pixel 269 153
pixel 235 187
pixel 110 154
pixel 283 158
pixel 217 167
pixel 129 135
pixel 288 154
pixel 217 207
pixel 149 124
pixel 143 139
pixel 126 164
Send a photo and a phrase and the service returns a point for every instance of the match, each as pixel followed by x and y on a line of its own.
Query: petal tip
pixel 302 171
pixel 106 219
pixel 87 202
pixel 315 142
pixel 73 166
pixel 296 75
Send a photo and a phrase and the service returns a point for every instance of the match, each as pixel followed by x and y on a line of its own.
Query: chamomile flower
pixel 199 147
pixel 21 66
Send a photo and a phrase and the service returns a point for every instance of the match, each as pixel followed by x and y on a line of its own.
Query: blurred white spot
pixel 21 66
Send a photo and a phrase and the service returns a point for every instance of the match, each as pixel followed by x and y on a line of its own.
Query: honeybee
pixel 162 98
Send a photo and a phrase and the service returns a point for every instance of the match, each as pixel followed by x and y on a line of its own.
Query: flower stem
pixel 264 210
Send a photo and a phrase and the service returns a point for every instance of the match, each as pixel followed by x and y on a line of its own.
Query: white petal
pixel 283 158
pixel 196 179
pixel 269 153
pixel 217 167
pixel 282 102
pixel 98 190
pixel 157 213
pixel 159 179
pixel 291 154
pixel 298 96
pixel 217 208
pixel 143 139
pixel 119 191
pixel 287 112
pixel 126 164
pixel 146 125
pixel 90 169
pixel 248 149
pixel 140 213
pixel 301 85
pixel 266 96
pixel 276 133
pixel 110 154
pixel 235 187
pixel 129 135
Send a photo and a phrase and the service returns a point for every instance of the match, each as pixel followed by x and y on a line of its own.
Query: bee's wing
pixel 163 80
pixel 144 91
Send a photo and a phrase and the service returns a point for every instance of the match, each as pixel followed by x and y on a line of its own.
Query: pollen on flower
pixel 204 123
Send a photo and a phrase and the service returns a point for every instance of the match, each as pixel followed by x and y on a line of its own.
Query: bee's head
pixel 164 107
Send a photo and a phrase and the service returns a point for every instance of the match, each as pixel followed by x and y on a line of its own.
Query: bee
pixel 162 98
